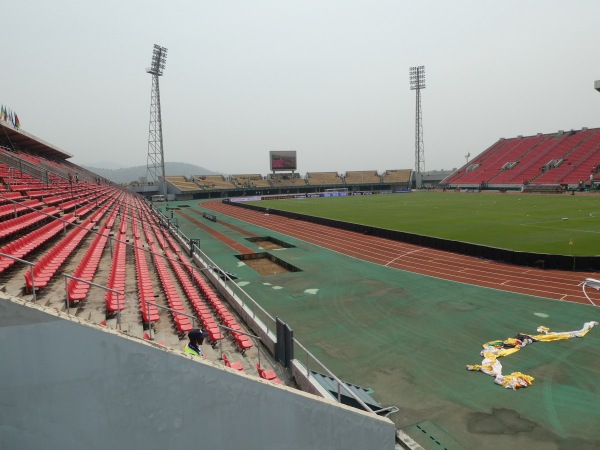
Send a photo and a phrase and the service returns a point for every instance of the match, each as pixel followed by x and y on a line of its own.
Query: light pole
pixel 417 82
pixel 156 159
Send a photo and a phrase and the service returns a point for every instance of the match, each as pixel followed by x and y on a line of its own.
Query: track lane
pixel 554 284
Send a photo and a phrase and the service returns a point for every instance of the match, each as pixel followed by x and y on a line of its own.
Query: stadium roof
pixel 14 137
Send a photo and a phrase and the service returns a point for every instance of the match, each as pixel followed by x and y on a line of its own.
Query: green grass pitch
pixel 542 223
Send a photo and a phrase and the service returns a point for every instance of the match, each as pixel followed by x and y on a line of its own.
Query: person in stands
pixel 196 337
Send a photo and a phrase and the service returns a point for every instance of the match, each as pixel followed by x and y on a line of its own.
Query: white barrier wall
pixel 67 384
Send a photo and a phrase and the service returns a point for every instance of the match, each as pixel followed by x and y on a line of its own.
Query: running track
pixel 553 284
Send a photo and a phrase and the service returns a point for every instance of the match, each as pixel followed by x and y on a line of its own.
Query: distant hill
pixel 129 174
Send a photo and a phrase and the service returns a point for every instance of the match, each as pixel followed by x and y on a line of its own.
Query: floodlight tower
pixel 156 159
pixel 417 82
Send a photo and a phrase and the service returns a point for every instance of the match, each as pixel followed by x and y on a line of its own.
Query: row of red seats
pixel 18 224
pixel 182 323
pixel 6 196
pixel 28 243
pixel 47 266
pixel 243 342
pixel 116 278
pixel 145 289
pixel 268 375
pixel 200 308
pixel 77 291
pixel 16 208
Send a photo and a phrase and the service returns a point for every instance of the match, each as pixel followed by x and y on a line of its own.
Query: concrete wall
pixel 68 384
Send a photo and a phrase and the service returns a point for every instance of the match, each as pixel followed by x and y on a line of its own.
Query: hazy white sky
pixel 327 78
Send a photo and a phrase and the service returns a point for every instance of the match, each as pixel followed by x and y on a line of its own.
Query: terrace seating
pixel 182 183
pixel 6 196
pixel 249 180
pixel 208 182
pixel 116 279
pixel 533 164
pixel 21 247
pixel 362 176
pixel 233 365
pixel 286 179
pixel 243 342
pixel 457 178
pixel 14 226
pixel 16 208
pixel 181 321
pixel 145 289
pixel 511 152
pixel 48 265
pixel 268 375
pixel 397 176
pixel 86 269
pixel 197 303
pixel 577 164
pixel 320 178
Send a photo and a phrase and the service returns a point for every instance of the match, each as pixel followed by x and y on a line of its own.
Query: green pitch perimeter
pixel 409 338
pixel 523 222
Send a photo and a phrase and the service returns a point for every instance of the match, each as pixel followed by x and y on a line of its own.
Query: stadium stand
pixel 213 182
pixel 62 218
pixel 249 180
pixel 577 164
pixel 287 179
pixel 182 183
pixel 534 164
pixel 548 160
pixel 320 178
pixel 362 176
pixel 397 176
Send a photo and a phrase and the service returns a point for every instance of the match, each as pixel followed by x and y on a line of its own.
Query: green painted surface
pixel 409 337
pixel 523 222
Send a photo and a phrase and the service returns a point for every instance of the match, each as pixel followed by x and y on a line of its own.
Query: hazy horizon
pixel 327 79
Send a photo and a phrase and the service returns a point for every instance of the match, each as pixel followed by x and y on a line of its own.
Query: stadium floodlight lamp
pixel 417 77
pixel 159 59
pixel 597 85
pixel 590 282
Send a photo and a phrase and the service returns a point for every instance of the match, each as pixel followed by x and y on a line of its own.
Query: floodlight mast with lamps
pixel 155 167
pixel 417 82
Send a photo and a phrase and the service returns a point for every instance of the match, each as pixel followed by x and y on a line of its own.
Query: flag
pixel 17 123
pixel 3 113
pixel 571 243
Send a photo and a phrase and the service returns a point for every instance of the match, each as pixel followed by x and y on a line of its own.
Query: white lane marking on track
pixel 405 254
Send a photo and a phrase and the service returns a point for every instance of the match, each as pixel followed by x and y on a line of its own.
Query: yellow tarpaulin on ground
pixel 493 350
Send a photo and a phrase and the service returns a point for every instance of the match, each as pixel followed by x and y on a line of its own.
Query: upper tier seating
pixel 512 151
pixel 557 158
pixel 397 176
pixel 287 179
pixel 320 178
pixel 249 180
pixel 182 183
pixel 534 163
pixel 213 182
pixel 362 176
pixel 577 165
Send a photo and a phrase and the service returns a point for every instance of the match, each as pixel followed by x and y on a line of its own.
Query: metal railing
pixel 31 265
pixel 255 306
pixel 194 320
pixel 67 301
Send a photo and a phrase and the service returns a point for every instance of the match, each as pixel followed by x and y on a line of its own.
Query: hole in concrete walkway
pixel 267 264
